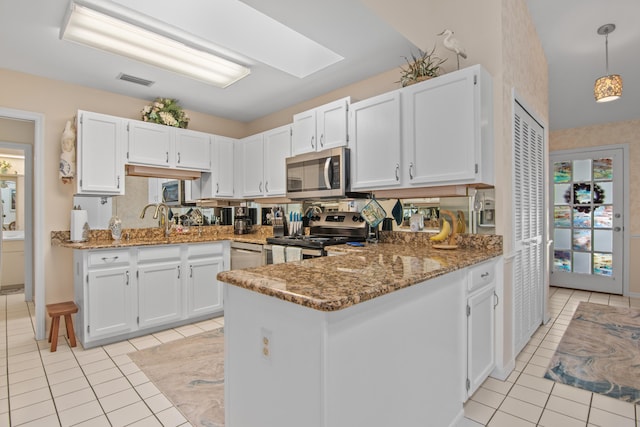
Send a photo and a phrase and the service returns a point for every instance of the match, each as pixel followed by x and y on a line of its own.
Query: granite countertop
pixel 360 273
pixel 101 239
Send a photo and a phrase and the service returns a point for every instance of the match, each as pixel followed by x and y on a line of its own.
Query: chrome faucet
pixel 165 215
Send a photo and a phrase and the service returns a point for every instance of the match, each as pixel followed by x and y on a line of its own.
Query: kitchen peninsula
pixel 377 336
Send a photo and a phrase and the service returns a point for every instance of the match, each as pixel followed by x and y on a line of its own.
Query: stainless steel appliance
pixel 246 255
pixel 242 222
pixel 326 229
pixel 485 202
pixel 319 174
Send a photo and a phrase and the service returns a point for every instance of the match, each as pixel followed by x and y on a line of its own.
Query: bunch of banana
pixel 461 228
pixel 444 233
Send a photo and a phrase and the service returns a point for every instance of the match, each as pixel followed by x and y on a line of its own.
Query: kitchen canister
pixel 79 225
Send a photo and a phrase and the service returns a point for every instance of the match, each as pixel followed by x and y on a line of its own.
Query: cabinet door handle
pixel 167 159
pixel 178 272
pixel 118 187
pixel 260 187
pixel 110 259
pixel 217 187
pixel 127 277
pixel 411 170
pixel 397 171
pixel 191 271
pixel 497 299
pixel 312 145
pixel 266 186
pixel 322 139
pixel 178 157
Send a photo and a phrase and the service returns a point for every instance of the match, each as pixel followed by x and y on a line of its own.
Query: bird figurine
pixel 453 45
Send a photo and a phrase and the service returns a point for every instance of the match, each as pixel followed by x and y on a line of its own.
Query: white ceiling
pixel 29 43
pixel 576 57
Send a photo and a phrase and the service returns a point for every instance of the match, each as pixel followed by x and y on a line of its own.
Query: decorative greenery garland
pixel 165 111
pixel 598 196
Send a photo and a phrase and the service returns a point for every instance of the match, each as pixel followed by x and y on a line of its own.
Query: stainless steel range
pixel 326 229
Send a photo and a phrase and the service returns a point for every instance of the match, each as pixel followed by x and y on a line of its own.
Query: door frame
pixel 626 229
pixel 34 211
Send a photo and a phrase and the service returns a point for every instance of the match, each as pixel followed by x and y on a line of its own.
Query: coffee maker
pixel 242 222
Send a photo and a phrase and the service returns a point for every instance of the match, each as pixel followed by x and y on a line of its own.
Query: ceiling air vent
pixel 134 79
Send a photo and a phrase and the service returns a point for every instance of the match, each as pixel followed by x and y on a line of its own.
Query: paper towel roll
pixel 79 226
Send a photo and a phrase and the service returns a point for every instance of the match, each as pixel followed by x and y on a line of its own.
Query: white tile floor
pixel 102 387
pixel 528 399
pixel 77 387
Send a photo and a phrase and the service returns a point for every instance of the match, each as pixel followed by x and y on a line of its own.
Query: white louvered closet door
pixel 528 198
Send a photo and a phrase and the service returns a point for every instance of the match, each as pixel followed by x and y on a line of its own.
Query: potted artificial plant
pixel 421 67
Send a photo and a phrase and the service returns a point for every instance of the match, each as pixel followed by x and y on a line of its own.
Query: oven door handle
pixel 327 169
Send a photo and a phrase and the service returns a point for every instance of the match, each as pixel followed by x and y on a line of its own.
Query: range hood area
pixel 155 172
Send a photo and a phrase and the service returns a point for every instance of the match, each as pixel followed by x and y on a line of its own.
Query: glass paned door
pixel 587 220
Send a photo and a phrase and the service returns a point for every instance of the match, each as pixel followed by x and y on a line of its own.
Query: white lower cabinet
pixel 204 298
pixel 123 293
pixel 481 304
pixel 159 285
pixel 109 290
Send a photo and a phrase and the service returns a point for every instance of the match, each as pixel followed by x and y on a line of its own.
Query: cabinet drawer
pixel 481 275
pixel 160 253
pixel 108 258
pixel 205 249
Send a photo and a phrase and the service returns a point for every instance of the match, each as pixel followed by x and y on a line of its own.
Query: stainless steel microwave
pixel 322 174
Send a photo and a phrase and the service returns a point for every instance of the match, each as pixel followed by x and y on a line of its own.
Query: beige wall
pixel 16 131
pixel 627 132
pixel 17 165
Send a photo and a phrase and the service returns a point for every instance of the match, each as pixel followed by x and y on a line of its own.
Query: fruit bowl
pixel 447 234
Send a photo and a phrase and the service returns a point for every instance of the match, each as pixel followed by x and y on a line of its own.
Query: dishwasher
pixel 246 255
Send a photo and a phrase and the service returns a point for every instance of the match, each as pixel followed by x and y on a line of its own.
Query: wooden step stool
pixel 65 309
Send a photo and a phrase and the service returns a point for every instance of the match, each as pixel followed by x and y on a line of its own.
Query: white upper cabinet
pixel 253 166
pixel 150 144
pixel 164 146
pixel 263 162
pixel 374 126
pixel 277 147
pixel 224 154
pixel 101 142
pixel 220 182
pixel 193 150
pixel 322 128
pixel 448 129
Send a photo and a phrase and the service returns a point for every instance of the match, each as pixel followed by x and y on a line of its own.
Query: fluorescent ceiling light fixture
pixel 102 31
pixel 239 32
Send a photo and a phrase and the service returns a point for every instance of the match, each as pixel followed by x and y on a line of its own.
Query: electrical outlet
pixel 266 343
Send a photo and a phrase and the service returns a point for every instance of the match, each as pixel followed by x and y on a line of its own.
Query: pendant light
pixel 608 87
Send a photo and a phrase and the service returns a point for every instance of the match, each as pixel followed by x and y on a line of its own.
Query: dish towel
pixel 278 254
pixel 294 254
